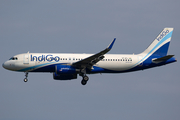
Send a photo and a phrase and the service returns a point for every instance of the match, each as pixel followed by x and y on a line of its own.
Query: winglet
pixel 111 44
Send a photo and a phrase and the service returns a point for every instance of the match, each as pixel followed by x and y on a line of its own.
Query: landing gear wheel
pixel 25 79
pixel 26 75
pixel 83 82
pixel 86 78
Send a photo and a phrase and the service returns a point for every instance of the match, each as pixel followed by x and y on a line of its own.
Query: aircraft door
pixel 139 59
pixel 26 59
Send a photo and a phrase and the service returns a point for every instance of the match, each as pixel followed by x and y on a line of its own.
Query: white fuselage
pixel 31 61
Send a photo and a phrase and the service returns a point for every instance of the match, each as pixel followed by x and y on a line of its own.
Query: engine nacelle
pixel 64 72
pixel 64 76
pixel 65 69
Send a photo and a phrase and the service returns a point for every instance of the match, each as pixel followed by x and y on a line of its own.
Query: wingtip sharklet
pixel 111 44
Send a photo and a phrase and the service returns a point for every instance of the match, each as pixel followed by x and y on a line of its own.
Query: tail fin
pixel 160 45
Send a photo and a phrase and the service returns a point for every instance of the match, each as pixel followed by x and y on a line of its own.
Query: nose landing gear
pixel 26 75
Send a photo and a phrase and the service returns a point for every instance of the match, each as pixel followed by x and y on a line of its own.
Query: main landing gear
pixel 26 75
pixel 85 78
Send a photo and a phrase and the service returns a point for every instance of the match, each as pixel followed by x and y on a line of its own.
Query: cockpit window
pixel 13 58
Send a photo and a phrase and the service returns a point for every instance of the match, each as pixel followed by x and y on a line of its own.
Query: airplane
pixel 68 66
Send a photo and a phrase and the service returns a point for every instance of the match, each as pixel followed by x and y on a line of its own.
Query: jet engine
pixel 64 72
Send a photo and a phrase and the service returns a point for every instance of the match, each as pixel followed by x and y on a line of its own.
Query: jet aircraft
pixel 69 66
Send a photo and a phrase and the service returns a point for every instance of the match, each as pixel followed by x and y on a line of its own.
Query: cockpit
pixel 13 58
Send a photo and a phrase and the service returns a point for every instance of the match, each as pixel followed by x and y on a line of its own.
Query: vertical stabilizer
pixel 159 47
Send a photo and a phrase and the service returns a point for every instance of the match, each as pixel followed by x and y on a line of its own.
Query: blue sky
pixel 80 26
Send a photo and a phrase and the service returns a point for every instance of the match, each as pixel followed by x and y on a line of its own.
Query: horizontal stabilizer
pixel 165 58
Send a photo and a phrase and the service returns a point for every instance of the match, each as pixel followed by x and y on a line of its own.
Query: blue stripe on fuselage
pixel 46 67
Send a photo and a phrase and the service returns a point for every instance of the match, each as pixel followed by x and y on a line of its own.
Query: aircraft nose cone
pixel 9 65
pixel 4 65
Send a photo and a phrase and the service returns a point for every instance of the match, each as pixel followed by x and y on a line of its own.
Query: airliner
pixel 69 66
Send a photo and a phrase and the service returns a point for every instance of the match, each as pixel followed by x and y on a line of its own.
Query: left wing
pixel 90 61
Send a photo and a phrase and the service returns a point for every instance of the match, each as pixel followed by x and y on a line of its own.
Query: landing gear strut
pixel 26 75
